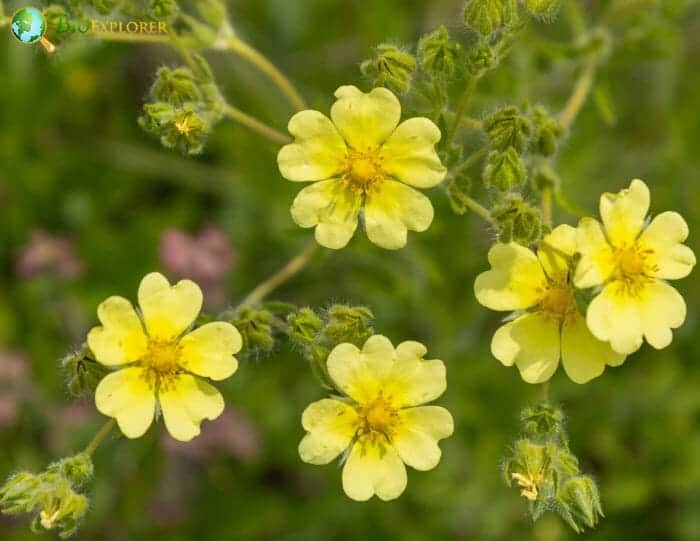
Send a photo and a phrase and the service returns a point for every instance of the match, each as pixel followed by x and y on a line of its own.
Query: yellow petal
pixel 556 250
pixel 613 316
pixel 409 154
pixel 331 426
pixel 318 150
pixel 209 350
pixel 186 401
pixel 516 279
pixel 361 374
pixel 373 467
pixel 126 396
pixel 330 207
pixel 662 309
pixel 168 310
pixel 531 342
pixel 120 339
pixel 413 380
pixel 596 263
pixel 584 356
pixel 671 259
pixel 392 208
pixel 623 213
pixel 365 120
pixel 416 438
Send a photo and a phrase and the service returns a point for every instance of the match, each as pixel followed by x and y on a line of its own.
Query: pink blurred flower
pixel 48 254
pixel 205 258
pixel 15 386
pixel 231 435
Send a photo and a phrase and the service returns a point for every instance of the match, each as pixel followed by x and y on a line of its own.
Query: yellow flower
pixel 159 362
pixel 377 421
pixel 631 261
pixel 552 327
pixel 363 158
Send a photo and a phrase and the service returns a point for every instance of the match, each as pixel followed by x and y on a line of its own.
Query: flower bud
pixel 175 86
pixel 304 326
pixel 547 132
pixel 255 327
pixel 162 10
pixel 543 176
pixel 542 421
pixel 481 59
pixel 518 221
pixel 390 67
pixel 185 130
pixel 348 324
pixel 580 501
pixel 543 9
pixel 437 53
pixel 485 16
pixel 77 469
pixel 505 170
pixel 82 372
pixel 506 127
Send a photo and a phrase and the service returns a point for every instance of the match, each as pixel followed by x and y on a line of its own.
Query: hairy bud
pixel 481 59
pixel 256 330
pixel 547 132
pixel 505 170
pixel 543 9
pixel 162 10
pixel 304 326
pixel 580 502
pixel 82 371
pixel 486 16
pixel 437 53
pixel 506 127
pixel 518 221
pixel 175 86
pixel 390 67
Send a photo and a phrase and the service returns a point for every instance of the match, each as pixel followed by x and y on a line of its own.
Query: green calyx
pixel 390 67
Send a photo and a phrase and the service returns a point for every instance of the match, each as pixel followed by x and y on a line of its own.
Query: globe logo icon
pixel 28 25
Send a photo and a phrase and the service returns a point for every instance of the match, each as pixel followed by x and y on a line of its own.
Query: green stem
pixel 184 51
pixel 99 437
pixel 292 267
pixel 579 94
pixel 256 125
pixel 461 108
pixel 544 392
pixel 260 61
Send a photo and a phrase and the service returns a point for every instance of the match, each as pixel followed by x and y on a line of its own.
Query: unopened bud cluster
pixel 52 497
pixel 487 16
pixel 548 474
pixel 317 334
pixel 390 67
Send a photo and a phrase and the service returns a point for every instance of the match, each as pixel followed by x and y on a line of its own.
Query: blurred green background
pixel 89 203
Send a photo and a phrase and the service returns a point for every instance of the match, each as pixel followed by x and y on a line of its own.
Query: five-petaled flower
pixel 378 419
pixel 631 263
pixel 362 159
pixel 552 326
pixel 159 363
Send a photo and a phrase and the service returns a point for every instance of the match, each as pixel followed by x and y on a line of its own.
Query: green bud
pixel 304 326
pixel 255 326
pixel 580 502
pixel 60 509
pixel 505 170
pixel 155 115
pixel 543 9
pixel 162 10
pixel 348 324
pixel 547 132
pixel 196 34
pixel 542 421
pixel 486 16
pixel 437 53
pixel 185 130
pixel 481 59
pixel 213 12
pixel 175 86
pixel 518 221
pixel 390 67
pixel 506 127
pixel 77 469
pixel 82 372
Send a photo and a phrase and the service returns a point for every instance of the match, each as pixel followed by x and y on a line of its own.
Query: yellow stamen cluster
pixel 379 416
pixel 528 483
pixel 632 268
pixel 558 301
pixel 363 168
pixel 161 361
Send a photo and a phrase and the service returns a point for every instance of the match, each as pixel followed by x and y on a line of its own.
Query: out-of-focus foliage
pixel 75 165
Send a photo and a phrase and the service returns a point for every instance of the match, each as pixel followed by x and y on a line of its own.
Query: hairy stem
pixel 239 47
pixel 461 108
pixel 256 125
pixel 580 93
pixel 99 437
pixel 547 206
pixel 292 267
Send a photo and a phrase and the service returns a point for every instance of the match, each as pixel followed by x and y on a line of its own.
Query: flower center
pixel 362 169
pixel 379 416
pixel 162 357
pixel 632 267
pixel 558 301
